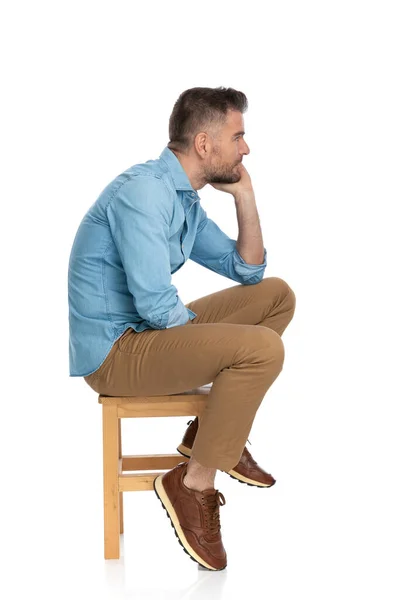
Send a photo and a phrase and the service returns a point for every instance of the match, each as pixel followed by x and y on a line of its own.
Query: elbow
pixel 254 279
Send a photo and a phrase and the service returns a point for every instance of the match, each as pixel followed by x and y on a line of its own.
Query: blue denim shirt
pixel 142 228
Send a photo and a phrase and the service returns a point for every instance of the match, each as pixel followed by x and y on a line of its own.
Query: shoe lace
pixel 191 421
pixel 211 504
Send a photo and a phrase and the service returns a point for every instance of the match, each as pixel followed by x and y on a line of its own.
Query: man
pixel 131 335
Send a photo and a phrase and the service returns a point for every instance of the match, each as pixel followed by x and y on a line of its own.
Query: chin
pixel 232 177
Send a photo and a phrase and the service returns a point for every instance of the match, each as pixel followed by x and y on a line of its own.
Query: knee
pixel 284 288
pixel 269 344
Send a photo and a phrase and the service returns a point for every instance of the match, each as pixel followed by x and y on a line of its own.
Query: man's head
pixel 206 132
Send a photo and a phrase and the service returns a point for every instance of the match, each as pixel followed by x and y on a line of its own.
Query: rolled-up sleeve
pixel 139 217
pixel 216 251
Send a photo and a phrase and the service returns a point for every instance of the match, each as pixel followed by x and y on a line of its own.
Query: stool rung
pixel 145 462
pixel 135 482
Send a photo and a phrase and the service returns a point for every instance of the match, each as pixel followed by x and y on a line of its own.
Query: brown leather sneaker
pixel 194 516
pixel 246 471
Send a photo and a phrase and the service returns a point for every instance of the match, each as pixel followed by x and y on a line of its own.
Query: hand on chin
pixel 242 184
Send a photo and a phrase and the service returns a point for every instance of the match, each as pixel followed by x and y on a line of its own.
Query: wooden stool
pixel 189 403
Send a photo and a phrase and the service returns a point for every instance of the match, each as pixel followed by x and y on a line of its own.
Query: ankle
pixel 197 476
pixel 198 486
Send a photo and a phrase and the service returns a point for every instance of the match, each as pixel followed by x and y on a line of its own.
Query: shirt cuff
pixel 246 270
pixel 179 315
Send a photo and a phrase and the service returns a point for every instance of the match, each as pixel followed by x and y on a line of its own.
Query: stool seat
pixel 201 390
pixel 116 480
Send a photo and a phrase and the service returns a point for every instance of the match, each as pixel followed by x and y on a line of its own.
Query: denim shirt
pixel 142 228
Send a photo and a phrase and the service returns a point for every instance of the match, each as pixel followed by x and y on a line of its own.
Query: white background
pixel 87 90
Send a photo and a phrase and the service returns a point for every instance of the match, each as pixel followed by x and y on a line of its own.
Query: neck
pixel 197 181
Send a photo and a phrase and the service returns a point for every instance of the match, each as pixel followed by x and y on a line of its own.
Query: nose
pixel 246 149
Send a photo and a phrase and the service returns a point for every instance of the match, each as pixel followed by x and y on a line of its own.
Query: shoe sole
pixel 173 517
pixel 241 478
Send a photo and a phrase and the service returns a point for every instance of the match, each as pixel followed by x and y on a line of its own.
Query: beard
pixel 222 174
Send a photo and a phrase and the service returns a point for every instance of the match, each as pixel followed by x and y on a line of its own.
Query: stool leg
pixel 121 497
pixel 110 482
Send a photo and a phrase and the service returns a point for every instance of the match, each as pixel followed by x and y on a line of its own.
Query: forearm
pixel 250 243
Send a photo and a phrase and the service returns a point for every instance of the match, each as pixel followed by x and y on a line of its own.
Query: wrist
pixel 243 195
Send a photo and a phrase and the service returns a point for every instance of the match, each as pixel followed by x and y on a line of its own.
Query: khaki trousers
pixel 234 343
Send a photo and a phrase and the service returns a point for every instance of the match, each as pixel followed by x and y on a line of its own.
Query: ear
pixel 201 144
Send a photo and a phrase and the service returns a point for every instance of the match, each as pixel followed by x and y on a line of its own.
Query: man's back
pixel 101 305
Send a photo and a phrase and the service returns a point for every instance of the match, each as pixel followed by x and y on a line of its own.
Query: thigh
pixel 171 361
pixel 242 304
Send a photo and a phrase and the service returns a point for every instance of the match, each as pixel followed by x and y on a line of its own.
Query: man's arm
pixel 139 217
pixel 250 241
pixel 246 259
pixel 214 250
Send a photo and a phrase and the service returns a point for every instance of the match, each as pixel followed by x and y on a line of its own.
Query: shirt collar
pixel 178 173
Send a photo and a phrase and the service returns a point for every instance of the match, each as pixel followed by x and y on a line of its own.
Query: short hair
pixel 201 108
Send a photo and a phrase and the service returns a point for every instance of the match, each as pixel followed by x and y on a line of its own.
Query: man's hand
pixel 244 184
